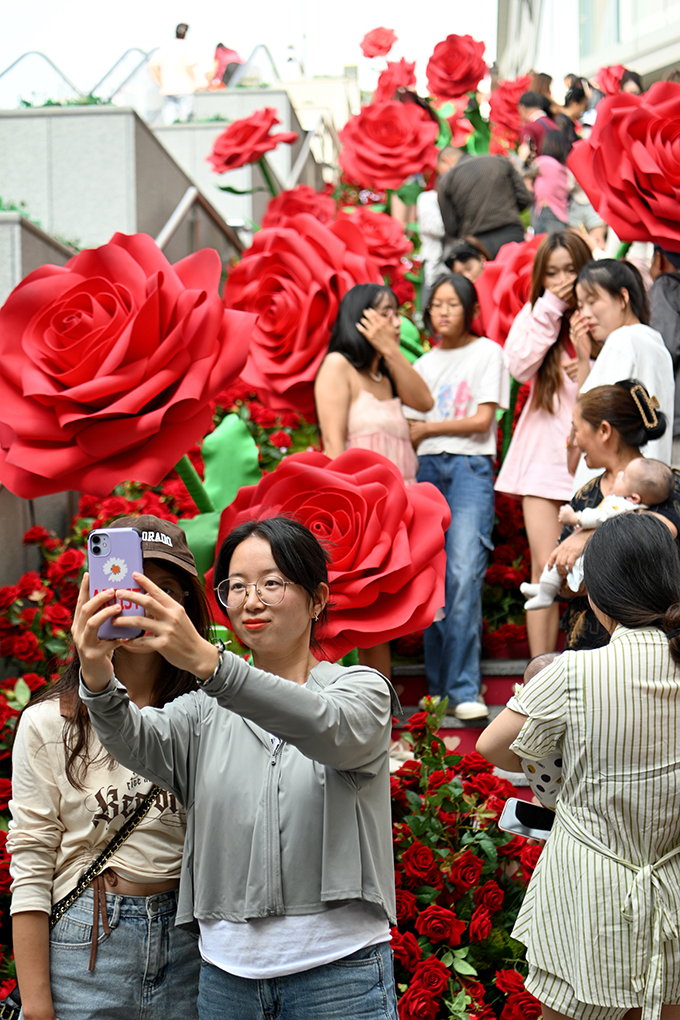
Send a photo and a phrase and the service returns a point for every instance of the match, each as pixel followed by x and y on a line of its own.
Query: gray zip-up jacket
pixel 295 830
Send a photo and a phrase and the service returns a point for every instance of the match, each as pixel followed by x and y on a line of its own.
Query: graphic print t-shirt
pixel 460 380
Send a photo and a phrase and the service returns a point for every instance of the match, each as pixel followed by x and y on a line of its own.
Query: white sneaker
pixel 434 698
pixel 466 710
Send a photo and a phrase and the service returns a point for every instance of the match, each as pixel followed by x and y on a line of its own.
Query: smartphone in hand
pixel 525 819
pixel 113 554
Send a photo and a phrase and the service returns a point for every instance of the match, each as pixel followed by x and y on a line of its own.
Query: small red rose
pixel 5 792
pixel 9 594
pixel 440 925
pixel 509 981
pixel 417 1004
pixel 480 925
pixel 490 895
pixel 406 949
pixel 465 871
pixel 378 42
pixel 419 862
pixel 432 975
pixel 529 859
pixel 35 534
pixel 246 140
pixel 406 905
pixel 26 648
pixel 280 439
pixel 521 1006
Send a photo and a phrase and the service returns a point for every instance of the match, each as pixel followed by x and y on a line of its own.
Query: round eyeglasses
pixel 233 592
pixel 175 593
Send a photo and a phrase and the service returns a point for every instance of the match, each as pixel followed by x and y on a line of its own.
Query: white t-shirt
pixel 635 352
pixel 460 380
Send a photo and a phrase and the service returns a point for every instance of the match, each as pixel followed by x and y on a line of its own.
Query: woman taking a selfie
pixel 283 767
pixel 601 917
pixel 116 951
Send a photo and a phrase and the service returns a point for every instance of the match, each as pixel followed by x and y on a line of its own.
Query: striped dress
pixel 601 918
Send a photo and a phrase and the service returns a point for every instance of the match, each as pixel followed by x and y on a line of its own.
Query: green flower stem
pixel 268 177
pixel 187 472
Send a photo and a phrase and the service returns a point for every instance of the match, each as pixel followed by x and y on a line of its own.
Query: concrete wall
pixel 24 247
pixel 87 172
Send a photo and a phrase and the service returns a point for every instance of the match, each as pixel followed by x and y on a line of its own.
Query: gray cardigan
pixel 295 830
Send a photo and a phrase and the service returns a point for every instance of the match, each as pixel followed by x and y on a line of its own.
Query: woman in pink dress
pixel 535 468
pixel 359 391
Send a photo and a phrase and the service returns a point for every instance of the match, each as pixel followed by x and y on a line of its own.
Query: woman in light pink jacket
pixel 535 468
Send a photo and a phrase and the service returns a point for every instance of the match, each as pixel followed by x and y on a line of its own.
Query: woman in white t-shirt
pixel 116 951
pixel 456 446
pixel 612 308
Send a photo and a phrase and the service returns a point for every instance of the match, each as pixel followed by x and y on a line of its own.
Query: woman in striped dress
pixel 601 918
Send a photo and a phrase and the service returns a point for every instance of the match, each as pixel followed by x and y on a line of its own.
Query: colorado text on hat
pixel 156 536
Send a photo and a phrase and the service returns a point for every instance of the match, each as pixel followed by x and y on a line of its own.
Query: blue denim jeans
pixel 453 645
pixel 358 987
pixel 146 969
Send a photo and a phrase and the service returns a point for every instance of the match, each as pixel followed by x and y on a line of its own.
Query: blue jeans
pixel 146 969
pixel 358 987
pixel 453 645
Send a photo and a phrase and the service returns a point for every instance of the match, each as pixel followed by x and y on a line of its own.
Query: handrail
pixel 133 49
pixel 37 53
pixel 298 166
pixel 240 71
pixel 192 196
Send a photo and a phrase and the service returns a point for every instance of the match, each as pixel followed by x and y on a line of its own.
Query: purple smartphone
pixel 112 556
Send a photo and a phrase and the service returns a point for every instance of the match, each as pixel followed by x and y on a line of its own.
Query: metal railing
pixel 193 197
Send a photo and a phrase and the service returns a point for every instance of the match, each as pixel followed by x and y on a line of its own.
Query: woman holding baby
pixel 612 425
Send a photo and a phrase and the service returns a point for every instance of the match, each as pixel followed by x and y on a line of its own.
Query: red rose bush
pixel 247 140
pixel 108 365
pixel 385 539
pixel 456 66
pixel 378 42
pixel 386 143
pixel 460 883
pixel 294 277
pixel 629 167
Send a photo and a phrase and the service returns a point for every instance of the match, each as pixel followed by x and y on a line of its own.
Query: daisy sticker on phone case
pixel 115 570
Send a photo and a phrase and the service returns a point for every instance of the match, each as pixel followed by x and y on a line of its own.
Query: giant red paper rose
pixel 302 199
pixel 630 166
pixel 386 143
pixel 246 140
pixel 608 79
pixel 397 74
pixel 384 236
pixel 385 539
pixel 378 42
pixel 504 114
pixel 108 365
pixel 456 66
pixel 294 277
pixel 503 288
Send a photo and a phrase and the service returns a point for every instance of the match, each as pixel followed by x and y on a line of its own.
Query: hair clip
pixel 651 404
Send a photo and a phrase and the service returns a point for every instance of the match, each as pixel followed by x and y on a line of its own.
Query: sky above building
pixel 85 40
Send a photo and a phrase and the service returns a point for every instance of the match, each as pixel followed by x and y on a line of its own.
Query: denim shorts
pixel 146 969
pixel 357 987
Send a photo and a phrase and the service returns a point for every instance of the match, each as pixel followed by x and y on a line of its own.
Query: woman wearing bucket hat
pixel 69 800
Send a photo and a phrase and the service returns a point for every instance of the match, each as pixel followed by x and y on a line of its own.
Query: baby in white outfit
pixel 643 484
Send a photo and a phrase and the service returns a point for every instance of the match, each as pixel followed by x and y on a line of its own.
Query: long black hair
pixel 614 276
pixel 632 572
pixel 296 551
pixel 346 338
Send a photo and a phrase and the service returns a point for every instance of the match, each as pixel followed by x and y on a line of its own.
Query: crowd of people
pixel 258 880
